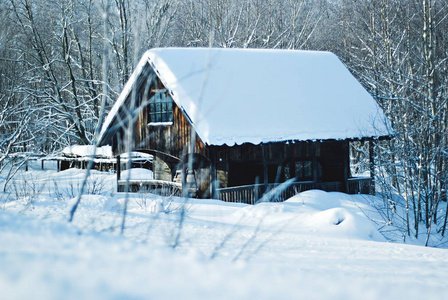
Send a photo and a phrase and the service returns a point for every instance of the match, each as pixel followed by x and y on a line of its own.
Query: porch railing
pixel 250 194
pixel 159 187
pixel 361 185
pixel 276 193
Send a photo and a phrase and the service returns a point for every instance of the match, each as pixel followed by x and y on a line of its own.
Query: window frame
pixel 301 169
pixel 160 109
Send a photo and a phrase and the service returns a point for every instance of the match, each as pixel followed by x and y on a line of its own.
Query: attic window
pixel 160 109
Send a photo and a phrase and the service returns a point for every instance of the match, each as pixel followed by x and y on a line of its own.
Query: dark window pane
pixel 299 169
pixel 308 172
pixel 286 172
pixel 161 108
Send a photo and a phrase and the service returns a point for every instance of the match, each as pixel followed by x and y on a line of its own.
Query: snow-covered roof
pixel 234 96
pixel 87 150
pixel 137 156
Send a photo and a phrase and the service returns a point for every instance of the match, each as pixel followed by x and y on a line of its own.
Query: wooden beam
pixel 265 167
pixel 346 162
pixel 184 180
pixel 314 162
pixel 372 165
pixel 213 192
pixel 118 168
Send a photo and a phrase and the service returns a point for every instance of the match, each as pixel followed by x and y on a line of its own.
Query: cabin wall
pixel 247 164
pixel 168 142
pixel 170 139
pixel 173 139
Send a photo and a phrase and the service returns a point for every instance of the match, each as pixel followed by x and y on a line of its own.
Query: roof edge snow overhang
pixel 292 141
pixel 127 89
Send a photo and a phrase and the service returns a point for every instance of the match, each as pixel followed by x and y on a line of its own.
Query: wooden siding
pixel 170 139
pixel 249 164
pixel 173 139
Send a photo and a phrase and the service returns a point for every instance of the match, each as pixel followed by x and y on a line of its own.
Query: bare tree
pixel 395 51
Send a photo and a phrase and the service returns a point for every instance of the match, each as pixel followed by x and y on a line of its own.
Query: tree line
pixel 53 78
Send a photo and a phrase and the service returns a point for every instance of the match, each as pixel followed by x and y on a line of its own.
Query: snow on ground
pixel 316 245
pixel 137 174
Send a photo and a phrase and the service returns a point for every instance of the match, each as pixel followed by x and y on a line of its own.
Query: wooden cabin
pixel 235 123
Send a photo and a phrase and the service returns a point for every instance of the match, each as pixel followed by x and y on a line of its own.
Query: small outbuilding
pixel 79 156
pixel 234 123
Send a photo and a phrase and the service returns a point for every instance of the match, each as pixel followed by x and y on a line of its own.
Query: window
pixel 160 109
pixel 301 170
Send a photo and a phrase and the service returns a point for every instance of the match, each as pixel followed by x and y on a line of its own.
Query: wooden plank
pixel 372 165
pixel 346 165
pixel 118 168
pixel 247 193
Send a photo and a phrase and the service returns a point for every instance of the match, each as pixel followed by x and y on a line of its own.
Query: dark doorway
pixel 245 174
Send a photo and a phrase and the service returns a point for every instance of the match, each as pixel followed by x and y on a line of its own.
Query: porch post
pixel 265 168
pixel 346 149
pixel 314 161
pixel 118 168
pixel 372 166
pixel 184 175
pixel 214 194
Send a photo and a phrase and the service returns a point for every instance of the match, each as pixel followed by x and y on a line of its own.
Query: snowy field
pixel 316 245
